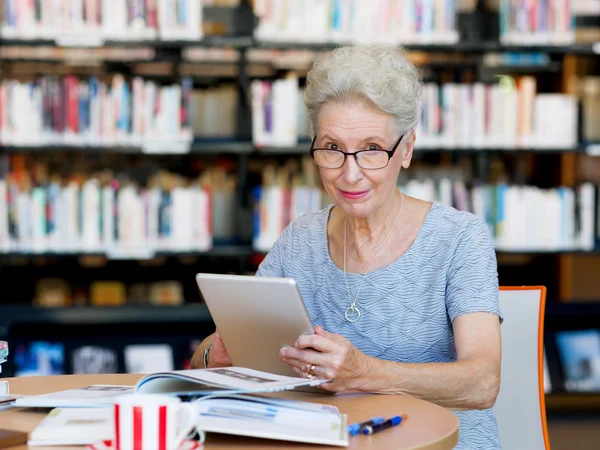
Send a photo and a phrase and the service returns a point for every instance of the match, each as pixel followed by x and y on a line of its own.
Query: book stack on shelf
pixel 520 217
pixel 105 112
pixel 278 118
pixel 284 196
pixel 503 115
pixel 360 21
pixel 59 293
pixel 103 212
pixel 92 22
pixel 212 112
pixel 59 357
pixel 590 105
pixel 579 353
pixel 536 23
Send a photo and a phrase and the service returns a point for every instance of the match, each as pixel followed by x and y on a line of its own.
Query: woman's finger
pixel 302 367
pixel 307 356
pixel 316 342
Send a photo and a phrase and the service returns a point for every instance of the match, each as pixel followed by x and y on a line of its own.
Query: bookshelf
pixel 235 57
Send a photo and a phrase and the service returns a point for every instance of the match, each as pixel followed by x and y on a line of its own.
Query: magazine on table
pixel 183 383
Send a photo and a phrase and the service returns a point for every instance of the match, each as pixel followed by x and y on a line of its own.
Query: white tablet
pixel 256 316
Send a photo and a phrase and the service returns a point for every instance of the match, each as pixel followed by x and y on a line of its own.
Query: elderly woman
pixel 403 292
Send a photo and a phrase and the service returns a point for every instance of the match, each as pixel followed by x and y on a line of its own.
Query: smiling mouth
pixel 353 195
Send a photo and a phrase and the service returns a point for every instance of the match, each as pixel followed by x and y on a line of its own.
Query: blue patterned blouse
pixel 407 308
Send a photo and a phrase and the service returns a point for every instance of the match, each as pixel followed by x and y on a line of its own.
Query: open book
pixel 183 383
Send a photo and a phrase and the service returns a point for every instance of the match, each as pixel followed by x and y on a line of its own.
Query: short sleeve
pixel 472 278
pixel 273 265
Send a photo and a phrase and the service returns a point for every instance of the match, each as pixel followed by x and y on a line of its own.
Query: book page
pixel 228 378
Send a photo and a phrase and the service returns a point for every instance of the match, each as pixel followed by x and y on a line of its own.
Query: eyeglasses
pixel 328 158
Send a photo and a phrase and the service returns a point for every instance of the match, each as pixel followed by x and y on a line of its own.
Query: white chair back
pixel 520 408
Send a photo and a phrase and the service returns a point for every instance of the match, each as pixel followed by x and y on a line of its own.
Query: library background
pixel 143 141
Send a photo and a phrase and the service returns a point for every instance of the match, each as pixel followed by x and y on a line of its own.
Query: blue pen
pixel 392 422
pixel 356 428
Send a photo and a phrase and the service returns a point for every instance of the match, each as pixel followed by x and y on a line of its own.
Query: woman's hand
pixel 334 358
pixel 217 355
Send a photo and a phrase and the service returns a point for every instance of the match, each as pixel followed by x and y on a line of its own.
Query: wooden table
pixel 428 426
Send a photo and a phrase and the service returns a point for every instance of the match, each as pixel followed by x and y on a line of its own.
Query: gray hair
pixel 380 73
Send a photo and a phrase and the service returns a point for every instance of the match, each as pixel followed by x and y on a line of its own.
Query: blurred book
pixel 148 358
pixel 94 359
pixel 102 212
pixel 108 293
pixel 96 111
pixel 536 23
pixel 359 21
pixel 285 194
pixel 519 217
pixel 166 293
pixel 580 357
pixel 73 426
pixel 39 358
pixel 52 293
pixel 502 115
pixel 90 22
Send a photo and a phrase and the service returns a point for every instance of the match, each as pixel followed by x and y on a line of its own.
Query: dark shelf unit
pixel 573 403
pixel 101 315
pixel 238 42
pixel 196 314
pixel 202 147
pixel 459 47
pixel 244 251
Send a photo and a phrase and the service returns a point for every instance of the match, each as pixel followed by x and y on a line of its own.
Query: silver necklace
pixel 352 313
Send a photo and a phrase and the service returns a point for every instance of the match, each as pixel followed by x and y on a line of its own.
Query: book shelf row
pixel 51 206
pixel 104 112
pixel 93 356
pixel 113 111
pixel 498 115
pixel 130 50
pixel 407 22
pixel 90 22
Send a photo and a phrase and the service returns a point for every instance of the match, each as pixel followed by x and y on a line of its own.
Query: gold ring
pixel 311 370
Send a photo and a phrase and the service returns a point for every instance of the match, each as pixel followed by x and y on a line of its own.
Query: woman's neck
pixel 364 235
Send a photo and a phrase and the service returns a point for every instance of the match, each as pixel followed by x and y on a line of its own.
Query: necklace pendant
pixel 352 314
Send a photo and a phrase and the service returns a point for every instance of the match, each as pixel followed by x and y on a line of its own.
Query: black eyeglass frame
pixel 390 154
